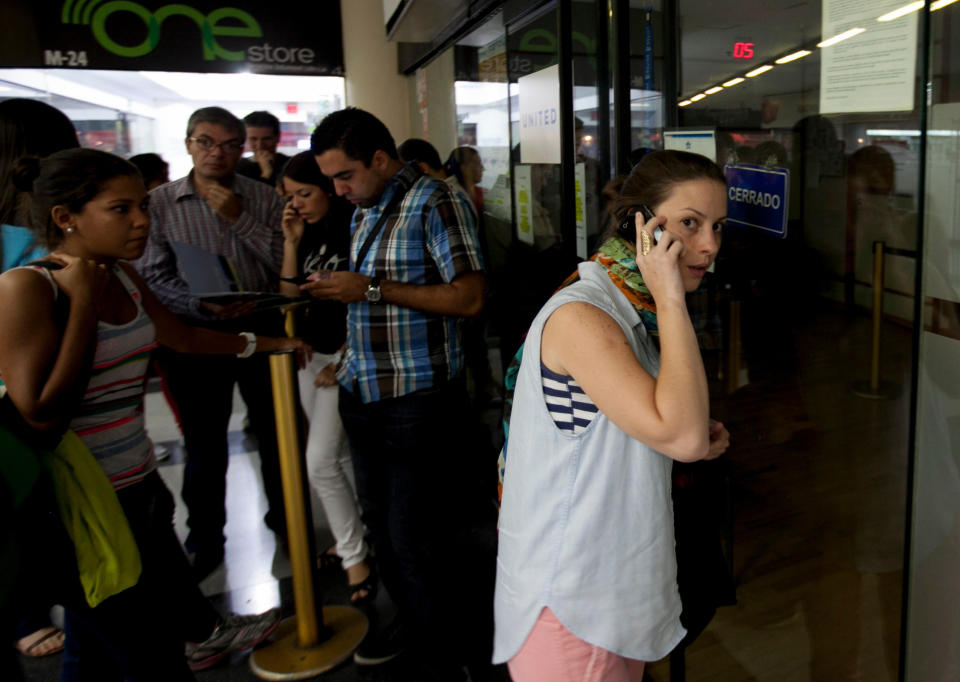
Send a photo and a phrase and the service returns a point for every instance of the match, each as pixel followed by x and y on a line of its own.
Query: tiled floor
pixel 817 477
pixel 255 575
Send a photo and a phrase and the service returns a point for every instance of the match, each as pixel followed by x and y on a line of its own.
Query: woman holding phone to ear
pixel 316 239
pixel 611 389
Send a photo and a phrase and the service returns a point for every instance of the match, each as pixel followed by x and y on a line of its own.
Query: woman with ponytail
pixel 611 389
pixel 76 332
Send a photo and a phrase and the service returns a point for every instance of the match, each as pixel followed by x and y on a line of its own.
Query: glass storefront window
pixel 932 623
pixel 132 112
pixel 819 460
pixel 808 324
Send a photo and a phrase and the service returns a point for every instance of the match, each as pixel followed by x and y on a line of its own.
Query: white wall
pixel 372 78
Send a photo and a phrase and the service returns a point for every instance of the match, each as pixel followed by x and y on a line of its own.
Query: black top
pixel 251 169
pixel 324 246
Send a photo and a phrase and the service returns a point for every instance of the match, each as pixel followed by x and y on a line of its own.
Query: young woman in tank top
pixel 75 340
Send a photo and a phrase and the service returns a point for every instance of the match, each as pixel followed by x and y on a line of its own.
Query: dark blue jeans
pixel 407 455
pixel 202 386
pixel 139 634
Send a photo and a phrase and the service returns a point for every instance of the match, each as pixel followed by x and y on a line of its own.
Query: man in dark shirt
pixel 263 136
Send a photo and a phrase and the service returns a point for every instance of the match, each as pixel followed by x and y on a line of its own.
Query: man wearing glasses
pixel 225 215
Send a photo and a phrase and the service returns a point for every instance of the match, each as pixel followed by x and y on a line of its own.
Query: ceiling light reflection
pixel 758 71
pixel 791 57
pixel 901 11
pixel 841 37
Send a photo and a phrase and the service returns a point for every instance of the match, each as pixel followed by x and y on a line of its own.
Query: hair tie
pixel 26 172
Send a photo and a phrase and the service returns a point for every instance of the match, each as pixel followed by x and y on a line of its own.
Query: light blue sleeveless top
pixel 586 523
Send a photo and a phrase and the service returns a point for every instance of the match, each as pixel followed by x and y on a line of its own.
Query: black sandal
pixel 368 585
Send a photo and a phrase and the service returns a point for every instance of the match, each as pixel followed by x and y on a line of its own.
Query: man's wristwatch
pixel 373 293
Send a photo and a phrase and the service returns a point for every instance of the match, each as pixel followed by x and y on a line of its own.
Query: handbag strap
pixel 368 242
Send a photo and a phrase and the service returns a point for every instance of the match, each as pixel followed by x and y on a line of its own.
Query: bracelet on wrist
pixel 251 347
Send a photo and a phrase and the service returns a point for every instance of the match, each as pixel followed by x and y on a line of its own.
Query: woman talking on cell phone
pixel 76 333
pixel 611 389
pixel 316 241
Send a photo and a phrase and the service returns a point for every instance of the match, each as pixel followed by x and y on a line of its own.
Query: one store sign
pixel 758 197
pixel 280 37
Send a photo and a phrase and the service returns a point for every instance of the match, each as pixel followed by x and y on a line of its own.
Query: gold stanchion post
pixel 313 641
pixel 875 388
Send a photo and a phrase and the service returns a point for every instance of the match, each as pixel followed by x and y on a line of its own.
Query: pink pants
pixel 554 654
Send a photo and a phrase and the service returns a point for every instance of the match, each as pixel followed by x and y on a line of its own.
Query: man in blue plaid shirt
pixel 402 398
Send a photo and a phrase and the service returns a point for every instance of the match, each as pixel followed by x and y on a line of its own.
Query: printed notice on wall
pixel 540 116
pixel 580 207
pixel 941 260
pixel 703 142
pixel 523 189
pixel 868 56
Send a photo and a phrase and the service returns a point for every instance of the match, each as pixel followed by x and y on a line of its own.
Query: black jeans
pixel 202 386
pixel 139 634
pixel 407 455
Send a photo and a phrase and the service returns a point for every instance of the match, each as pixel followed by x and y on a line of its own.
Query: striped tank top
pixel 571 409
pixel 109 419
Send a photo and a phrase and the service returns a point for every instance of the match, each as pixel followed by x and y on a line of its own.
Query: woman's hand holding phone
pixel 292 223
pixel 660 266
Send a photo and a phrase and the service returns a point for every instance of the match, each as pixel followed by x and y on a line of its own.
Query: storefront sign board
pixel 207 36
pixel 758 197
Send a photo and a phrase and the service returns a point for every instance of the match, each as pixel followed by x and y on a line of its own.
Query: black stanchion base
pixel 885 391
pixel 285 659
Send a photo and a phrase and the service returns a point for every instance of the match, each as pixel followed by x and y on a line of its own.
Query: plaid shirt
pixel 254 244
pixel 393 351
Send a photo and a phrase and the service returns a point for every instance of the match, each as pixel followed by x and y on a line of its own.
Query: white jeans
pixel 329 466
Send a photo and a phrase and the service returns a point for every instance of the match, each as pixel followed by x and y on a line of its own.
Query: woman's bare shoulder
pixel 580 317
pixel 18 284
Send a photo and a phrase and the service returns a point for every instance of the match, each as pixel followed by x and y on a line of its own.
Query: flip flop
pixel 31 649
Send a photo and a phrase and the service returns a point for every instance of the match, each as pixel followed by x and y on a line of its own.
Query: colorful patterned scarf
pixel 618 258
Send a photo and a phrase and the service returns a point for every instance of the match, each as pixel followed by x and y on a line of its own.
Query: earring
pixel 69 230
